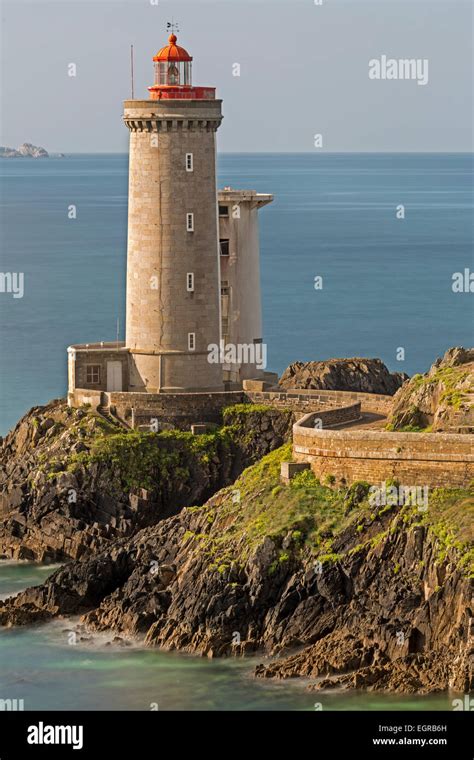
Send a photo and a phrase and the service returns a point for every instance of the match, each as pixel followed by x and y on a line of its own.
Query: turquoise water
pixel 40 666
pixel 387 282
pixel 16 576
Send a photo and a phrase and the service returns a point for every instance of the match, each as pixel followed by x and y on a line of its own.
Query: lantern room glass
pixel 172 73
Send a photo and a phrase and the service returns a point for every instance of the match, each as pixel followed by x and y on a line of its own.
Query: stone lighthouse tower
pixel 193 282
pixel 173 278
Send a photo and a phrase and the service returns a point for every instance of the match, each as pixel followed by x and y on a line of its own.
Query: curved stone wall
pixel 330 417
pixel 309 400
pixel 429 459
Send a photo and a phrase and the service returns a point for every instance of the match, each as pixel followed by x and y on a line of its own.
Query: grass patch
pixel 144 459
pixel 304 512
pixel 305 518
pixel 450 516
pixel 451 378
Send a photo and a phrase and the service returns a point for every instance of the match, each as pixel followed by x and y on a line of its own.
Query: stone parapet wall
pixel 172 409
pixel 184 409
pixel 175 116
pixel 430 459
pixel 310 400
pixel 324 418
pixel 81 396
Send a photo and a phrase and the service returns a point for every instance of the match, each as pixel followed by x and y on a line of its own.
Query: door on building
pixel 114 376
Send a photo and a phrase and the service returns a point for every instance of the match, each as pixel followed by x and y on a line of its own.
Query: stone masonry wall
pixel 84 396
pixel 184 409
pixel 331 417
pixel 310 400
pixel 172 409
pixel 431 459
pixel 99 359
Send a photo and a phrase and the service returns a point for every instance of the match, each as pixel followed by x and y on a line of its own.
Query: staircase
pixel 107 414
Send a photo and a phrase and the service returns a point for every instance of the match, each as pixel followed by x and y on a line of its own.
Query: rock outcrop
pixel 363 375
pixel 442 400
pixel 167 545
pixel 25 150
pixel 72 481
pixel 342 592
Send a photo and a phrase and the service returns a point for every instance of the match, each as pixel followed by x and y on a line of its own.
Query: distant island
pixel 27 150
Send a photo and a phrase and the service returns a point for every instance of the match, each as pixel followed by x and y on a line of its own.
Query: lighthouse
pixel 193 276
pixel 173 277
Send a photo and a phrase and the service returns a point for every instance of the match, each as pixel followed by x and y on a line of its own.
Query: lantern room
pixel 172 64
pixel 173 75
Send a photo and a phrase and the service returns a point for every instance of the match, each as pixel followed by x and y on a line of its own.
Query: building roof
pixel 229 194
pixel 172 52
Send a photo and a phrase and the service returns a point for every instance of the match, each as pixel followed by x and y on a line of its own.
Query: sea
pixel 358 254
pixel 386 281
pixel 39 665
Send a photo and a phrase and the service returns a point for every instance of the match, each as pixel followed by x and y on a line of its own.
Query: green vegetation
pixel 356 493
pixel 169 458
pixel 146 459
pixel 453 398
pixel 305 518
pixel 417 381
pixel 231 414
pixel 450 516
pixel 329 558
pixel 408 429
pixel 305 508
pixel 451 378
pixel 304 514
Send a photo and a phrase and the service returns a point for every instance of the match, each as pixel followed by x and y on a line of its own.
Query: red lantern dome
pixel 173 78
pixel 172 52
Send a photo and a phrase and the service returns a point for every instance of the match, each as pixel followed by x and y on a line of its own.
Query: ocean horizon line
pixel 55 153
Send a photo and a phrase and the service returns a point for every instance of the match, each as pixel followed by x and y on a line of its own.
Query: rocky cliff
pixel 440 400
pixel 336 589
pixel 72 481
pixel 25 150
pixel 363 375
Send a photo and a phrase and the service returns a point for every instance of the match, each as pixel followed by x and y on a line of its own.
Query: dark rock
pixel 354 624
pixel 363 375
pixel 74 511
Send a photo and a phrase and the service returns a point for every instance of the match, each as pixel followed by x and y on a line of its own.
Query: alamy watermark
pixel 396 495
pixel 238 353
pixel 49 734
pixel 463 282
pixel 12 282
pixel 467 703
pixel 11 705
pixel 399 68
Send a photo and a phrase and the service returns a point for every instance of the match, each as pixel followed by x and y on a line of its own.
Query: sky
pixel 303 71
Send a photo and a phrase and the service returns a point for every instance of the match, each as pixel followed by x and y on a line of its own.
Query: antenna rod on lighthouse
pixel 131 68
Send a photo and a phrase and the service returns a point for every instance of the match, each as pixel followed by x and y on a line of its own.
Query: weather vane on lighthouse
pixel 172 26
